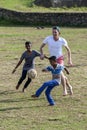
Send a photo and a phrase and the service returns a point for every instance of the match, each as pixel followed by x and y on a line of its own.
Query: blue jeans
pixel 49 85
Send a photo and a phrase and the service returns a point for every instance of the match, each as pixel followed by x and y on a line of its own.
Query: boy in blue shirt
pixel 56 70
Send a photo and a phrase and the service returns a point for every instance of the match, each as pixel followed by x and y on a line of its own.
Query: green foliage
pixel 28 6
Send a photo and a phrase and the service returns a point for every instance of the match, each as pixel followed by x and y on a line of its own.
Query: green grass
pixel 28 6
pixel 18 111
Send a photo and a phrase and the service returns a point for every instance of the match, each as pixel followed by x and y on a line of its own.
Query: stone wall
pixel 61 3
pixel 45 3
pixel 61 19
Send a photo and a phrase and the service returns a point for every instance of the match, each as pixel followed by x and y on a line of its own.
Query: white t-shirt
pixel 55 47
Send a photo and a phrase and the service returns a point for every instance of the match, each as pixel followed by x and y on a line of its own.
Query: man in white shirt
pixel 55 44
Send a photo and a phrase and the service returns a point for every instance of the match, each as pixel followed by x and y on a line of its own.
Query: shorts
pixel 60 60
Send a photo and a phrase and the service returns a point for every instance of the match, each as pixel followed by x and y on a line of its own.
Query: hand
pixel 42 57
pixel 67 72
pixel 13 71
pixel 44 70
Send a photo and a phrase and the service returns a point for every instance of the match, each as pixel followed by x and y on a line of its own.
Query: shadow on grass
pixel 14 100
pixel 19 100
pixel 25 99
pixel 11 108
pixel 7 92
pixel 20 108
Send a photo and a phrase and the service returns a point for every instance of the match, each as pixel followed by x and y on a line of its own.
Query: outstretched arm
pixel 20 61
pixel 46 57
pixel 44 70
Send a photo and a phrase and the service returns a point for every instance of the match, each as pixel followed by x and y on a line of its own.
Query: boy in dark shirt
pixel 28 56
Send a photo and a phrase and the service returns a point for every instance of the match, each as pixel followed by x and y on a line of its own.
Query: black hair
pixel 57 28
pixel 27 43
pixel 52 58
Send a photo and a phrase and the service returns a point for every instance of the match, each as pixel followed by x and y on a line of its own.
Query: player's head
pixel 53 60
pixel 28 45
pixel 56 31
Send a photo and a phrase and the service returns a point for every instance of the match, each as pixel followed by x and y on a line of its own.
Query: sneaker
pixel 51 104
pixel 34 96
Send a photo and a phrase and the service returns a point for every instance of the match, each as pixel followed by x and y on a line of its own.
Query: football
pixel 32 73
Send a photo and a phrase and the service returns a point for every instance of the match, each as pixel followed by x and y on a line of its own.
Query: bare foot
pixel 65 93
pixel 70 90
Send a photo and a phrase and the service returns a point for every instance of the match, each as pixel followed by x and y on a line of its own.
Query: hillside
pixel 28 6
pixel 21 5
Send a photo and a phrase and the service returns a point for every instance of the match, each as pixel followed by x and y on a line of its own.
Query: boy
pixel 56 70
pixel 28 56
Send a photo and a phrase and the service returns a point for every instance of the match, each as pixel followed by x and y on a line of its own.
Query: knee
pixel 45 84
pixel 66 78
pixel 47 92
pixel 63 77
pixel 29 80
pixel 23 77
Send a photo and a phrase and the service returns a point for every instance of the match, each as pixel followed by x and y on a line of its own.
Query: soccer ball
pixel 32 73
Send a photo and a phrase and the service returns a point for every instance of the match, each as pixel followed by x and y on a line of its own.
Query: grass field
pixel 29 6
pixel 18 111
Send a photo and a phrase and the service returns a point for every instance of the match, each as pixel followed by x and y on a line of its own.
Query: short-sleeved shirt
pixel 55 47
pixel 56 71
pixel 29 59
